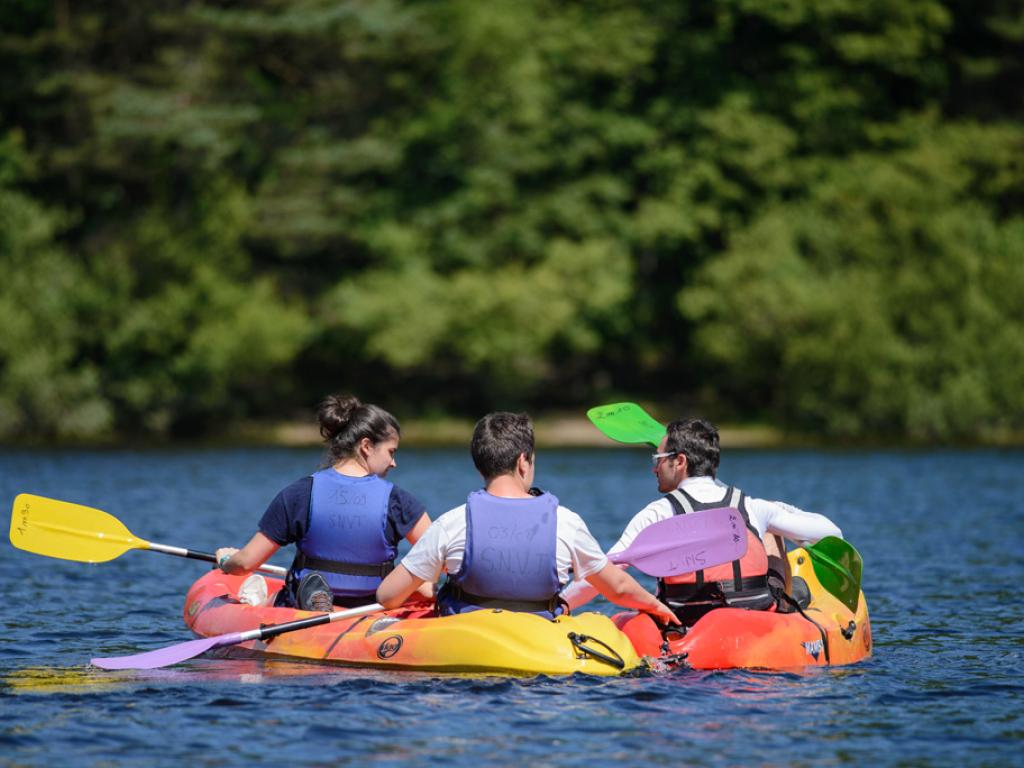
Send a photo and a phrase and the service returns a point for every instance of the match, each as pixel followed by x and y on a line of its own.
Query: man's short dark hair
pixel 498 440
pixel 697 440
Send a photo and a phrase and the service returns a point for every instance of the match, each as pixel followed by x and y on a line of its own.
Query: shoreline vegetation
pixel 557 430
pixel 554 431
pixel 571 431
pixel 803 215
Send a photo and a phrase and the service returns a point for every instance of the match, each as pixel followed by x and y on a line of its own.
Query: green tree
pixel 886 302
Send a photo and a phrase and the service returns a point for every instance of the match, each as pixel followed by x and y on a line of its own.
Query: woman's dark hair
pixel 498 440
pixel 345 420
pixel 697 440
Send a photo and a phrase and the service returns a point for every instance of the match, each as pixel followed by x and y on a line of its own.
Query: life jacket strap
pixel 335 566
pixel 526 606
pixel 725 589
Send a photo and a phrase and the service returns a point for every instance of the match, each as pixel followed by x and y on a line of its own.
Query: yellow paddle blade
pixel 68 531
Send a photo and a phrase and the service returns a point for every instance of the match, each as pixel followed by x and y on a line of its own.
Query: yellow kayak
pixel 411 638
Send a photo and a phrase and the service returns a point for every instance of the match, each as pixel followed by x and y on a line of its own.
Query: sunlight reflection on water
pixel 944 686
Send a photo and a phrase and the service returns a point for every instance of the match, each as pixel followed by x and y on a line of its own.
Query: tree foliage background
pixel 804 212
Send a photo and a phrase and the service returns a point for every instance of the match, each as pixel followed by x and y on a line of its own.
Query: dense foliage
pixel 806 212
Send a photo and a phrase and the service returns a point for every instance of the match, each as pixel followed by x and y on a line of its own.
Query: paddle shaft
pixel 192 554
pixel 174 654
pixel 273 630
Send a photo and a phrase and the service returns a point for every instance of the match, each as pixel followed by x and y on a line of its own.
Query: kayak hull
pixel 728 638
pixel 506 642
pixel 411 638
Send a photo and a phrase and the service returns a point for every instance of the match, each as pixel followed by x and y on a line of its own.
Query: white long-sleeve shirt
pixel 766 516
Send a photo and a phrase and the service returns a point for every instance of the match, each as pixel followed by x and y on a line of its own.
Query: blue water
pixel 940 533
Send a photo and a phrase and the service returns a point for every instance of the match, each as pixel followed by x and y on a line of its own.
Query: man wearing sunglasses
pixel 686 465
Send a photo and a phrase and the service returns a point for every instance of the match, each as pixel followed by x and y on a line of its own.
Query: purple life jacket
pixel 510 558
pixel 345 541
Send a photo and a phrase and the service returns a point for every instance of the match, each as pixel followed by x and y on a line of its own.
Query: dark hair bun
pixel 335 414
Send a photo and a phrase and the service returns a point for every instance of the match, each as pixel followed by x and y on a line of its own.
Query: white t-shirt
pixel 443 545
pixel 766 516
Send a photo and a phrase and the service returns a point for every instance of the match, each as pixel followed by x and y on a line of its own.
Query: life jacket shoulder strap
pixel 684 504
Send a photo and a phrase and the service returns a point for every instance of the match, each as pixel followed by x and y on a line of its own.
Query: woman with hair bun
pixel 345 520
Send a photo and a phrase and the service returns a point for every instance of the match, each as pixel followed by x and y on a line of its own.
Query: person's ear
pixel 523 464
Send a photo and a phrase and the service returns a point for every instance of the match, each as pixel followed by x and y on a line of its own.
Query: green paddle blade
pixel 838 567
pixel 68 531
pixel 627 423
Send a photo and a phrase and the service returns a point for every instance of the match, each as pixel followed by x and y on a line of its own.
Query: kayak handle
pixel 578 641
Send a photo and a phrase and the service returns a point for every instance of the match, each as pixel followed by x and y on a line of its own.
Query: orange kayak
pixel 828 634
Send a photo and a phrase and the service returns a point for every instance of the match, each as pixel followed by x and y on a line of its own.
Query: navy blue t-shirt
pixel 287 518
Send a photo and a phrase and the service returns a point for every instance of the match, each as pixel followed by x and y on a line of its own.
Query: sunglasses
pixel 657 457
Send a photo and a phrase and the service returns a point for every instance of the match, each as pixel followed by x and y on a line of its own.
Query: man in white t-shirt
pixel 510 546
pixel 686 465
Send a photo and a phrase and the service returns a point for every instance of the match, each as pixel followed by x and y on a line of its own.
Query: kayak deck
pixel 726 638
pixel 411 638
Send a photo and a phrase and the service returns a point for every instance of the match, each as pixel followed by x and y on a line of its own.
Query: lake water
pixel 940 533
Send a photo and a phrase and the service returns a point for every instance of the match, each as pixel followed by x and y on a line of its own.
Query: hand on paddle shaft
pixel 836 563
pixel 75 532
pixel 680 544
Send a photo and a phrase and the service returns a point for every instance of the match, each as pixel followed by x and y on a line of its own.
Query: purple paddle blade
pixel 686 543
pixel 163 657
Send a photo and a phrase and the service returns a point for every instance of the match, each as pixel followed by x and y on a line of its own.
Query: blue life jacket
pixel 345 541
pixel 510 558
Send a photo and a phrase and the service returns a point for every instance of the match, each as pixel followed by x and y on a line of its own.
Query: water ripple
pixel 944 688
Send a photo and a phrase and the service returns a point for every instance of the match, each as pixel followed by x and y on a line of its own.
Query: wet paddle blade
pixel 68 531
pixel 164 657
pixel 627 423
pixel 687 543
pixel 838 567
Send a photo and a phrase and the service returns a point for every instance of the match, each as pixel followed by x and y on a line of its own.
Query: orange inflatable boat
pixel 827 632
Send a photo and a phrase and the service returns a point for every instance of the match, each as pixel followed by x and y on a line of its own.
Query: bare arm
pixel 580 592
pixel 397 586
pixel 426 589
pixel 622 589
pixel 419 529
pixel 248 558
